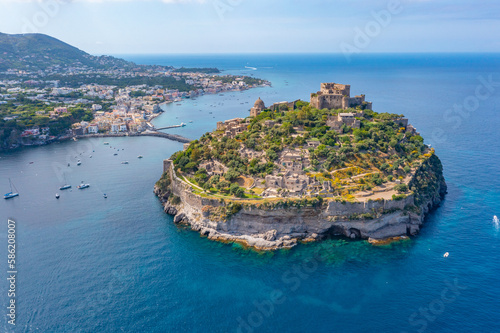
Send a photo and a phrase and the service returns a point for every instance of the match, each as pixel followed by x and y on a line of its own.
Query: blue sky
pixel 246 26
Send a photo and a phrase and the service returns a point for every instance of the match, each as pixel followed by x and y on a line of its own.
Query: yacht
pixel 11 194
pixel 82 186
pixel 125 162
pixel 140 156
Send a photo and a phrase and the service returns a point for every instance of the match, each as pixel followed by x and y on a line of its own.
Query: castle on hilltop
pixel 337 96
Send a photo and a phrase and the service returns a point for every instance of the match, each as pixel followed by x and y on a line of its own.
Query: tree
pixel 223 185
pixel 231 175
pixel 240 193
pixel 190 166
pixel 233 188
pixel 271 155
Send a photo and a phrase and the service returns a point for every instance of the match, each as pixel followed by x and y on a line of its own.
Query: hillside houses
pixel 232 127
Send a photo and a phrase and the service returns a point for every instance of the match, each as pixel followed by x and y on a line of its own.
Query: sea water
pixel 89 264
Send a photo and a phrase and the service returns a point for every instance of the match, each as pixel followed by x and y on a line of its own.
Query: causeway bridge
pixel 173 137
pixel 167 127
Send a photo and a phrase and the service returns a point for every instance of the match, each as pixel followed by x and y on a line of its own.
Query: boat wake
pixel 496 222
pixel 252 68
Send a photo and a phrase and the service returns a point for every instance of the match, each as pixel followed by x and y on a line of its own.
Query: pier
pixel 173 137
pixel 167 127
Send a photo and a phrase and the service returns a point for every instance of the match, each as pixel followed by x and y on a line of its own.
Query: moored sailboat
pixel 11 194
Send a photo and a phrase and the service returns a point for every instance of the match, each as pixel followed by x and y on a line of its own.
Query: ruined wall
pixel 327 101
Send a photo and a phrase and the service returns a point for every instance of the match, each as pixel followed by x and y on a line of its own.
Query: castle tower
pixel 258 107
pixel 337 96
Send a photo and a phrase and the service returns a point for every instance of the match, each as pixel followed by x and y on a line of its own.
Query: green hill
pixel 38 51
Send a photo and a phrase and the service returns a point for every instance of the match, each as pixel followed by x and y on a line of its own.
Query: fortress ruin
pixel 337 96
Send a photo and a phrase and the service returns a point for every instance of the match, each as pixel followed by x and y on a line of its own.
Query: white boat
pixel 57 195
pixel 495 219
pixel 140 156
pixel 182 124
pixel 125 162
pixel 66 185
pixel 82 186
pixel 11 194
pixel 78 163
pixel 105 195
pixel 106 143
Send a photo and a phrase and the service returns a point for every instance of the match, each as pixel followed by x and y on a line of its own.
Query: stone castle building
pixel 337 96
pixel 348 119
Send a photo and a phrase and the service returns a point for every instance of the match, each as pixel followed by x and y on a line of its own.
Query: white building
pixel 93 129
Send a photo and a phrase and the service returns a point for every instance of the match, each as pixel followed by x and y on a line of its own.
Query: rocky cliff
pixel 271 225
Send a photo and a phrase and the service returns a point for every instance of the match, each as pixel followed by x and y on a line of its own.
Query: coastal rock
pixel 169 209
pixel 270 235
pixel 179 218
pixel 268 228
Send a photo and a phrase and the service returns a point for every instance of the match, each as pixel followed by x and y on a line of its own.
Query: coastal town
pixel 33 105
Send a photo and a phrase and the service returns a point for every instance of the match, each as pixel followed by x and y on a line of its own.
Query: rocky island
pixel 300 172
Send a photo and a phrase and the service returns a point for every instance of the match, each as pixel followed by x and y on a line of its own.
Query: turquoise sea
pixel 89 264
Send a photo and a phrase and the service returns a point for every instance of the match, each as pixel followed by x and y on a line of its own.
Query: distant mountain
pixel 38 51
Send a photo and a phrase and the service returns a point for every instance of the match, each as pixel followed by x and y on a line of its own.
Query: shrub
pixel 401 188
pixel 398 197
